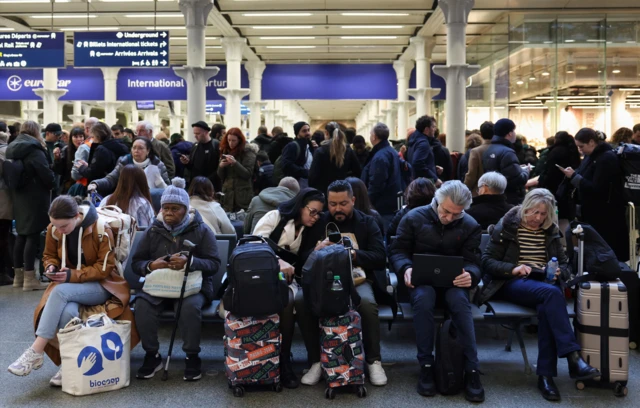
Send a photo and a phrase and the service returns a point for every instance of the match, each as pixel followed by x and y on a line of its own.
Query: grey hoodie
pixel 268 200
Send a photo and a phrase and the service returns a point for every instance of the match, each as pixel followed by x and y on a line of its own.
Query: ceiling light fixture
pixel 369 37
pixel 89 28
pixel 374 14
pixel 6 29
pixel 184 38
pixel 277 14
pixel 616 65
pixel 284 47
pixel 372 26
pixel 288 38
pixel 166 28
pixel 282 27
pixel 177 15
pixel 65 16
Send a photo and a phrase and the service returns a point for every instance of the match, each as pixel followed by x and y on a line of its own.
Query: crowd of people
pixel 294 191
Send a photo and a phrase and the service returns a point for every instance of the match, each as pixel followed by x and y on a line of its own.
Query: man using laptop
pixel 442 228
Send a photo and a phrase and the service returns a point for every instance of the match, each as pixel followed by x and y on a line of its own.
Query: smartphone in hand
pixel 560 167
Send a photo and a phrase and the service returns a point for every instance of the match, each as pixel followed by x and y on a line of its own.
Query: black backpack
pixel 13 174
pixel 255 288
pixel 449 369
pixel 317 279
pixel 278 171
pixel 629 158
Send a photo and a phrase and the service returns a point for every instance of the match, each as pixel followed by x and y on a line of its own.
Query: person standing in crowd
pixel 145 129
pixel 529 153
pixel 318 137
pixel 297 156
pixel 363 204
pixel 381 174
pixel 6 218
pixel 635 139
pixel 350 133
pixel 473 140
pixel 622 135
pixel 491 204
pixel 82 156
pixel 333 160
pixel 128 134
pixel 105 153
pixel 264 176
pixel 177 223
pixel 527 237
pixel 118 133
pixel 542 158
pixel 475 158
pixel 161 136
pixel 205 155
pixel 30 202
pixel 13 132
pixel 142 156
pixel 600 188
pixel 132 196
pixel 361 149
pixel 419 153
pixel 501 157
pixel 368 253
pixel 236 170
pixel 279 140
pixel 178 147
pixel 268 200
pixel 63 163
pixel 88 124
pixel 442 156
pixel 442 228
pixel 202 198
pixel 92 279
pixel 52 134
pixel 217 131
pixel 263 139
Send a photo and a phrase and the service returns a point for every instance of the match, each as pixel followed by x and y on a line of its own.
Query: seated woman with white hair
pixel 491 204
pixel 527 237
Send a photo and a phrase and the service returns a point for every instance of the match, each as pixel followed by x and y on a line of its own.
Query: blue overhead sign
pixel 141 49
pixel 36 49
pixel 81 84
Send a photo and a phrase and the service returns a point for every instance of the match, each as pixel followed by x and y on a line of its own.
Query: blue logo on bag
pixel 112 346
pixel 90 361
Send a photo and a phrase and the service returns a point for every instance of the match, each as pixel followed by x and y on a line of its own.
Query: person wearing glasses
pixel 367 253
pixel 442 228
pixel 287 227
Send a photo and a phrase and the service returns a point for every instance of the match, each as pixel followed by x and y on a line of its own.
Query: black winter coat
pixel 31 201
pixel 292 164
pixel 325 171
pixel 177 150
pixel 503 252
pixel 463 166
pixel 420 157
pixel 442 158
pixel 277 145
pixel 551 176
pixel 501 157
pixel 421 232
pixel 263 142
pixel 264 178
pixel 382 177
pixel 103 158
pixel 157 242
pixel 392 230
pixel 599 182
pixel 488 209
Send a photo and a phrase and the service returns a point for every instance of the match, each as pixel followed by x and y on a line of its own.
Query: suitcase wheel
pixel 277 387
pixel 620 390
pixel 361 391
pixel 633 345
pixel 238 391
pixel 330 393
pixel 580 385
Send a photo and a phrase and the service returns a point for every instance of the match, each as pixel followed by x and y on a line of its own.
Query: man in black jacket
pixel 204 157
pixel 501 157
pixel 263 139
pixel 491 205
pixel 368 253
pixel 442 228
pixel 419 152
pixel 297 156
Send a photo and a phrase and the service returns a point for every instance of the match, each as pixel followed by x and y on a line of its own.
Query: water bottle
pixel 552 267
pixel 336 285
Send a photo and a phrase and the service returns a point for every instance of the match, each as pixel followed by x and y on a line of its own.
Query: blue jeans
pixel 423 302
pixel 64 304
pixel 555 334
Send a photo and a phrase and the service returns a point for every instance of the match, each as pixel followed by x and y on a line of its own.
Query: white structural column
pixel 31 112
pixel 390 119
pixel 86 110
pixel 492 93
pixel 403 71
pixel 50 95
pixel 270 115
pixel 110 103
pixel 77 112
pixel 287 121
pixel 133 120
pixel 619 117
pixel 196 73
pixel 233 93
pixel 255 104
pixel 456 71
pixel 422 93
pixel 175 119
pixel 153 116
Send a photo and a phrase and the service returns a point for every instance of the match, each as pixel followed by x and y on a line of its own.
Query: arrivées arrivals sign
pixel 36 49
pixel 143 49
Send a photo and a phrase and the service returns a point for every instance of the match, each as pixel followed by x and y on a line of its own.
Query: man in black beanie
pixel 297 156
pixel 501 157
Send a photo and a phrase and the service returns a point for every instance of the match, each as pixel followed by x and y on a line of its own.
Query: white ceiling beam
pixel 429 29
pixel 217 20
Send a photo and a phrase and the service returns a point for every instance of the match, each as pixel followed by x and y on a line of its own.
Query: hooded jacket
pixel 157 242
pixel 237 180
pixel 503 252
pixel 420 156
pixel 382 177
pixel 501 157
pixel 262 141
pixel 31 201
pixel 442 158
pixel 268 200
pixel 177 150
pixel 103 158
pixel 108 184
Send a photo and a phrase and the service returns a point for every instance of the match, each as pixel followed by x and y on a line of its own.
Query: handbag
pixel 95 355
pixel 167 283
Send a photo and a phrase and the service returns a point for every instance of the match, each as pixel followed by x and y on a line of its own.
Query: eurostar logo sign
pixel 14 83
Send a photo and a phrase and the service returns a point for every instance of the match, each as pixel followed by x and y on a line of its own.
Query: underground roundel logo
pixel 90 359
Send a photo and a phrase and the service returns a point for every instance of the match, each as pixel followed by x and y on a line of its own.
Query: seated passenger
pixel 142 156
pixel 442 228
pixel 420 192
pixel 202 198
pixel 132 196
pixel 363 204
pixel 287 226
pixel 367 253
pixel 491 203
pixel 176 223
pixel 527 237
pixel 90 279
pixel 268 200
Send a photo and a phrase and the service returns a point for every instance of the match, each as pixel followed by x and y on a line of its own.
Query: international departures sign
pixel 139 49
pixel 35 49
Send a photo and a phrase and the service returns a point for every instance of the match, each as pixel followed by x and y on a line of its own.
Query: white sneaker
pixel 376 374
pixel 56 380
pixel 28 361
pixel 313 376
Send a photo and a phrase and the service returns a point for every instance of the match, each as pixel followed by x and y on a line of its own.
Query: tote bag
pixel 167 283
pixel 95 355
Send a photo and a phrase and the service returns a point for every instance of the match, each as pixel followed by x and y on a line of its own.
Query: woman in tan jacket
pixel 90 279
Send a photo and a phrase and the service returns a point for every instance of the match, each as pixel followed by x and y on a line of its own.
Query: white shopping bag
pixel 167 283
pixel 95 355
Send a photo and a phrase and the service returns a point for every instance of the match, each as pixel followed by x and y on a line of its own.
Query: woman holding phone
pixel 237 164
pixel 81 266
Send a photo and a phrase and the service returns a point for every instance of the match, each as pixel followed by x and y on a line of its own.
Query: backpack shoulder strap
pixel 276 234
